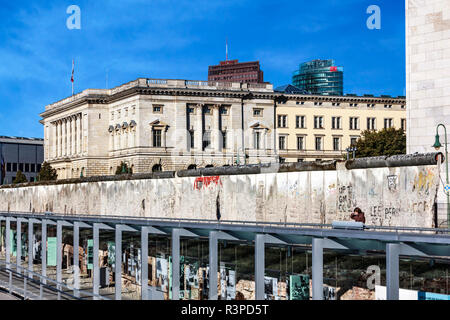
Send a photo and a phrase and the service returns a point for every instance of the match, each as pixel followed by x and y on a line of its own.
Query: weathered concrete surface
pixel 390 196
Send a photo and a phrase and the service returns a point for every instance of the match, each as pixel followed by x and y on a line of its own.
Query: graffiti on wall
pixel 346 199
pixel 204 182
pixel 392 182
pixel 423 182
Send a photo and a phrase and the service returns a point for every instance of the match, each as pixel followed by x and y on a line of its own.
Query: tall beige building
pixel 428 80
pixel 427 75
pixel 155 125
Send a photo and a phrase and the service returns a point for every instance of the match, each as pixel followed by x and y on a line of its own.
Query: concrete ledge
pixel 361 163
pixel 405 160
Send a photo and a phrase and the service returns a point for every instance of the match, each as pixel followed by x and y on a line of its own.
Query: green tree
pixel 385 142
pixel 123 169
pixel 20 178
pixel 47 173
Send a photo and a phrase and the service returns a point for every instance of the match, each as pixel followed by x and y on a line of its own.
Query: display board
pixel 227 283
pixel 90 254
pixel 2 235
pixel 231 285
pixel 170 278
pixel 36 249
pixel 299 287
pixel 405 294
pixel 270 288
pixel 13 242
pixel 161 274
pixel 432 296
pixel 205 287
pixel 223 283
pixel 112 254
pixel 329 293
pixel 51 251
pixel 138 266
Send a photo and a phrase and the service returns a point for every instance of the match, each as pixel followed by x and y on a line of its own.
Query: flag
pixel 333 69
pixel 73 64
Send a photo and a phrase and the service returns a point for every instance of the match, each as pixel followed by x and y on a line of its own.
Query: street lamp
pixel 351 149
pixel 437 145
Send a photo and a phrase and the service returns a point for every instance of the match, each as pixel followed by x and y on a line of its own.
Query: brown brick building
pixel 235 71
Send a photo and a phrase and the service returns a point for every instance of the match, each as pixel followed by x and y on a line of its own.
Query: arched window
pixel 157 168
pixel 209 166
pixel 192 167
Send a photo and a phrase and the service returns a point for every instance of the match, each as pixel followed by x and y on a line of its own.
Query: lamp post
pixel 437 145
pixel 351 149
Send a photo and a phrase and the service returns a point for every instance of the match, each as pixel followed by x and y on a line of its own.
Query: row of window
pixel 118 113
pixel 207 110
pixel 336 104
pixel 157 141
pixel 300 122
pixel 319 141
pixel 206 140
pixel 24 167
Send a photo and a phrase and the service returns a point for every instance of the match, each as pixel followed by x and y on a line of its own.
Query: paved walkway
pixel 5 296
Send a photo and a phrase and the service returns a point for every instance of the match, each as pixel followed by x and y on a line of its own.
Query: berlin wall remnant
pixel 396 194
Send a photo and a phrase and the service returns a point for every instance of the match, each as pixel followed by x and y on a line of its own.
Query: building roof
pixel 22 140
pixel 289 88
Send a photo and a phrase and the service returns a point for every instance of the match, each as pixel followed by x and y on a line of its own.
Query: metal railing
pixel 28 277
pixel 149 220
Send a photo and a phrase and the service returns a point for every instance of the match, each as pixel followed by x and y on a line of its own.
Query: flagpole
pixel 73 69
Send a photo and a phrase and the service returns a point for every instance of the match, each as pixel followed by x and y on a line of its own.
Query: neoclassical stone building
pixel 160 125
pixel 164 125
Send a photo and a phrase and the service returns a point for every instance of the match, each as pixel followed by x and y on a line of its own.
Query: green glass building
pixel 320 77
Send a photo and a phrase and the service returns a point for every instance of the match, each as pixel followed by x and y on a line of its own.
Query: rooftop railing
pixel 149 220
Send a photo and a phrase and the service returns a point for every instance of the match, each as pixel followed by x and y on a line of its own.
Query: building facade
pixel 321 77
pixel 235 71
pixel 24 154
pixel 427 80
pixel 311 128
pixel 155 125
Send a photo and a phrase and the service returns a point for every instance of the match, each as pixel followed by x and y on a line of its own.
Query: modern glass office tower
pixel 320 77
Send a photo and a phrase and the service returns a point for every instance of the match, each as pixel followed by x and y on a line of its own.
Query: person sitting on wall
pixel 358 215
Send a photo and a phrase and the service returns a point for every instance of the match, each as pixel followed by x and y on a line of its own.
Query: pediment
pixel 158 123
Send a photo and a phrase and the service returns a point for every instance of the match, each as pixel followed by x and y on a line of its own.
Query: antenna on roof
pixel 226 50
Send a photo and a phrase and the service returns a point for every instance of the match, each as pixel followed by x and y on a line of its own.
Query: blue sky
pixel 178 39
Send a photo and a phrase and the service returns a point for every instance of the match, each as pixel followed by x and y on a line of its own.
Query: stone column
pixel 84 124
pixel 164 137
pixel 74 135
pixel 78 137
pixel 63 136
pixel 111 141
pixel 265 141
pixel 69 136
pixel 46 141
pixel 198 134
pixel 216 135
pixel 59 123
pixel 129 137
pixel 54 140
pixel 181 134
